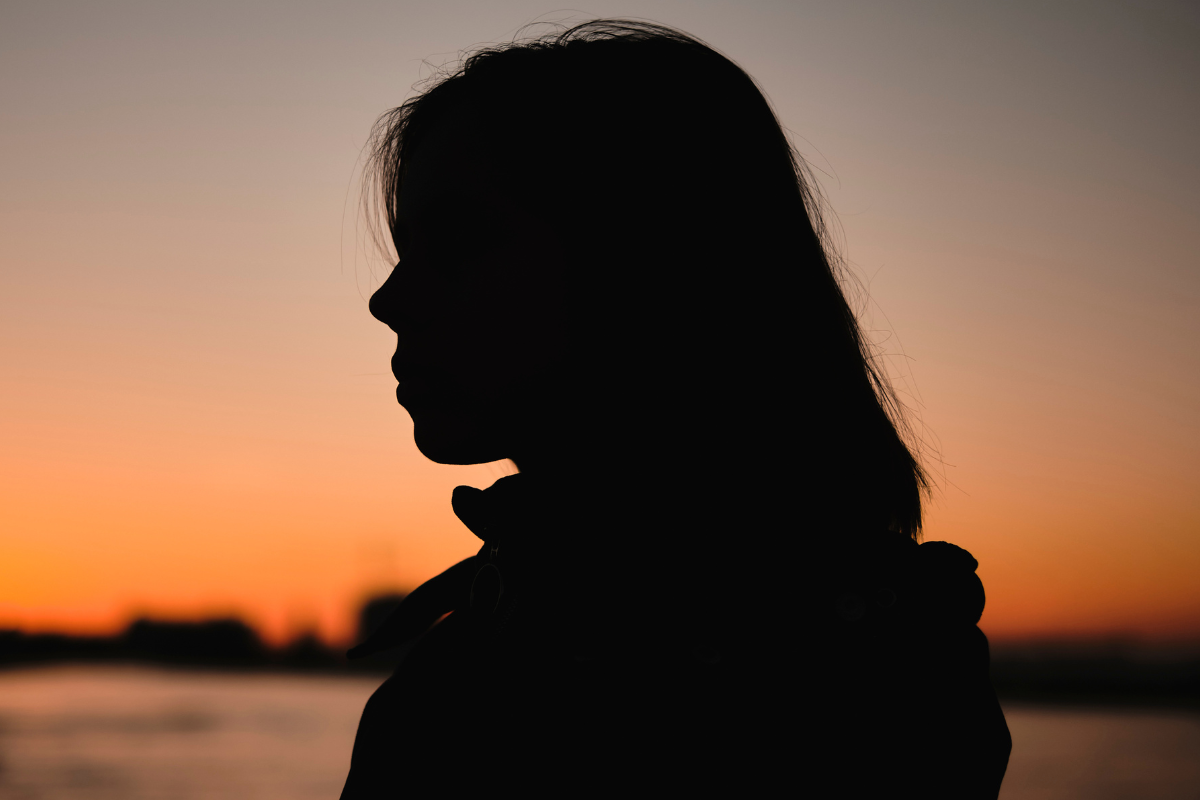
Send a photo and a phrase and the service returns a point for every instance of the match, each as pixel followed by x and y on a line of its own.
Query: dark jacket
pixel 554 668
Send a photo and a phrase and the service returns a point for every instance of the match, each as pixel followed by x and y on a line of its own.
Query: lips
pixel 408 371
pixel 411 393
pixel 418 385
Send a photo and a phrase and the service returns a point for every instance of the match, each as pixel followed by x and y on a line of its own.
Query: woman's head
pixel 610 251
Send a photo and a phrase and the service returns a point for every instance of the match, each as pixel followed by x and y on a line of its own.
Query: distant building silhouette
pixel 17 647
pixel 309 652
pixel 370 617
pixel 375 611
pixel 215 642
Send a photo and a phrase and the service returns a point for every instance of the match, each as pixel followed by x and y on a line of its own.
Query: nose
pixel 383 303
pixel 411 299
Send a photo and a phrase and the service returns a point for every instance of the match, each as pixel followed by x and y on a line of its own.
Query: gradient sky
pixel 196 412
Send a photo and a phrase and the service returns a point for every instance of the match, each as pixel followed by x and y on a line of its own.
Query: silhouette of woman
pixel 705 576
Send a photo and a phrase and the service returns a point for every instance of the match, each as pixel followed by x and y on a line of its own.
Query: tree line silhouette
pixel 228 643
pixel 1103 672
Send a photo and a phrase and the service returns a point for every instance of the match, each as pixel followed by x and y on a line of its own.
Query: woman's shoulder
pixel 864 580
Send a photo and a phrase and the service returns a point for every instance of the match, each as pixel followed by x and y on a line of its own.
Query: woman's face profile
pixel 477 302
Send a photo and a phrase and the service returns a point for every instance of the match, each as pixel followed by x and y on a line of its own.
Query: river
pixel 137 733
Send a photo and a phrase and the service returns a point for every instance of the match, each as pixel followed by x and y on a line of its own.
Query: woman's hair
pixel 701 263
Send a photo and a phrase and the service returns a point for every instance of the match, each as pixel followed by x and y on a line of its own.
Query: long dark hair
pixel 702 263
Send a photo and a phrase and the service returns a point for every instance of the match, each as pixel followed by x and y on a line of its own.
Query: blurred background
pixel 207 490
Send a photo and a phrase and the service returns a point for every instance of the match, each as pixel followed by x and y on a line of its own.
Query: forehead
pixel 445 166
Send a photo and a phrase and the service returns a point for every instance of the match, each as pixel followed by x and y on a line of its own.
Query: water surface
pixel 136 733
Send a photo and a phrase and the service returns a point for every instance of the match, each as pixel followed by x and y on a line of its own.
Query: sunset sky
pixel 196 409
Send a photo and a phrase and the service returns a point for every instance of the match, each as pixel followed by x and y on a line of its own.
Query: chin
pixel 453 439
